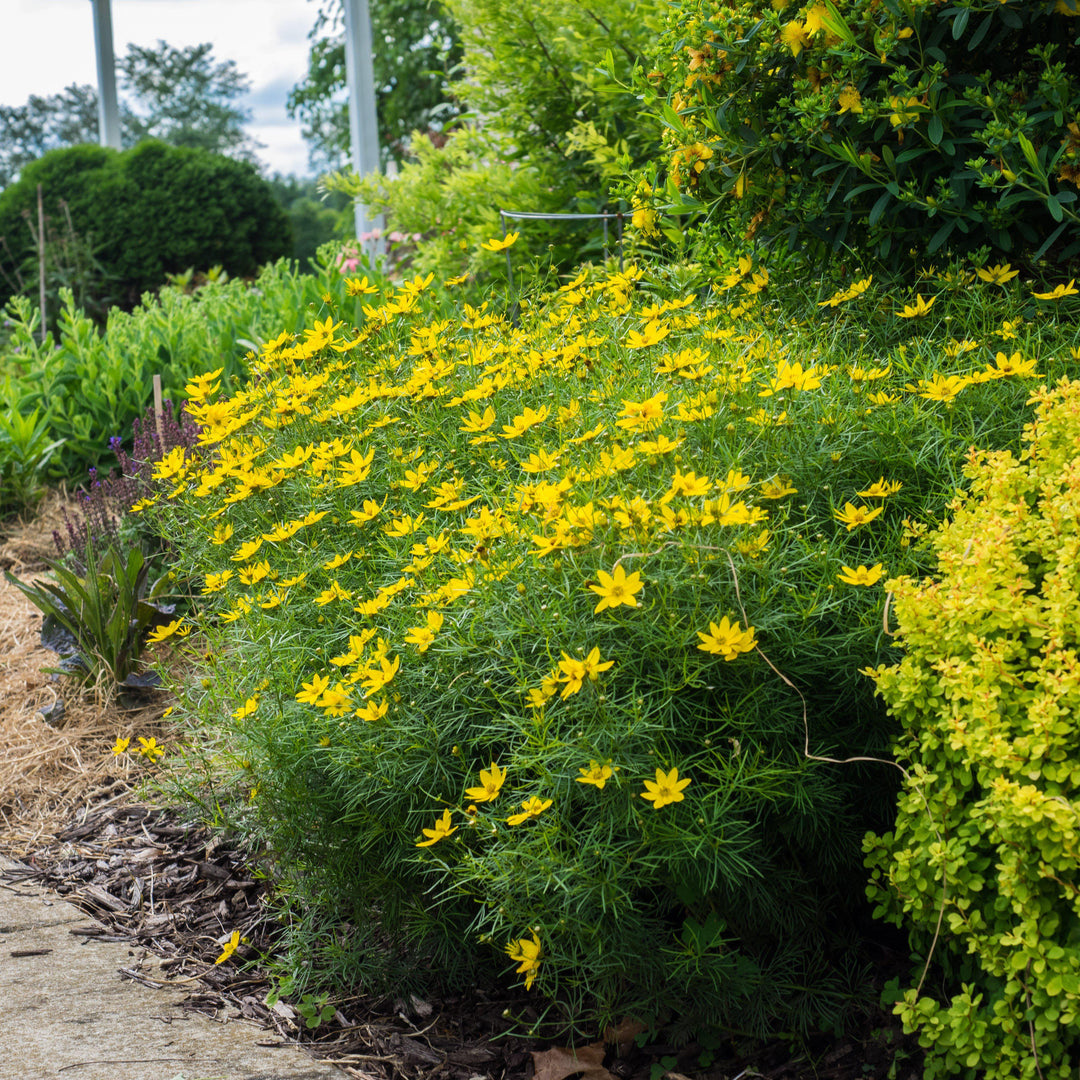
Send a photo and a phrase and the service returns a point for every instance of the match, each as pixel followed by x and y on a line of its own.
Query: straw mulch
pixel 51 767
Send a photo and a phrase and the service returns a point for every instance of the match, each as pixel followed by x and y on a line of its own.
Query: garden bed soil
pixel 73 820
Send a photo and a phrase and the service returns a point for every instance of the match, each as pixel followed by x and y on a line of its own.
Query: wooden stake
pixel 41 257
pixel 159 410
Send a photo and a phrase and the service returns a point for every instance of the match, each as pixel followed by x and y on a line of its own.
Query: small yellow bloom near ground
pixel 247 709
pixel 442 829
pixel 861 575
pixel 532 807
pixel 176 627
pixel 851 517
pixel 526 954
pixel 229 947
pixel 491 782
pixel 917 310
pixel 727 638
pixel 120 745
pixel 997 275
pixel 616 588
pixel 1059 292
pixel 150 749
pixel 666 788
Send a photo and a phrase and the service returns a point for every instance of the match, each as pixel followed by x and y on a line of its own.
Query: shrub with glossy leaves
pixel 988 829
pixel 900 127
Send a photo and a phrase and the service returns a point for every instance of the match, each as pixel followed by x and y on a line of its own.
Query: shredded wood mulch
pixel 177 892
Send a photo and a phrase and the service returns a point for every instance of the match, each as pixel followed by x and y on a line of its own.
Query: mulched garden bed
pixel 176 892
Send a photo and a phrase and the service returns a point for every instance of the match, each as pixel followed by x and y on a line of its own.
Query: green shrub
pixel 987 831
pixel 25 449
pixel 412 541
pixel 148 212
pixel 896 128
pixel 554 135
pixel 448 197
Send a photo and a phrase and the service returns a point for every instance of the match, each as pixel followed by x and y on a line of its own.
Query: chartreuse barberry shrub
pixel 491 613
pixel 895 127
pixel 988 830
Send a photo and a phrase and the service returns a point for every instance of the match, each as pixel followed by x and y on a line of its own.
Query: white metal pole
pixel 108 110
pixel 363 122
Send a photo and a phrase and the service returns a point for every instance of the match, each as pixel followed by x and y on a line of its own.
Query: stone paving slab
pixel 68 1014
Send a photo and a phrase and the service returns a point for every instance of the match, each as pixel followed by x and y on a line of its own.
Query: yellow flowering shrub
pixel 893 129
pixel 987 839
pixel 515 636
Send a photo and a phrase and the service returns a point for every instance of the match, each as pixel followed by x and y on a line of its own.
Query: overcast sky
pixel 49 44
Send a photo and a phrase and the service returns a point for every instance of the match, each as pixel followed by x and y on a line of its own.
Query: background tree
pixel 181 96
pixel 185 98
pixel 45 123
pixel 416 54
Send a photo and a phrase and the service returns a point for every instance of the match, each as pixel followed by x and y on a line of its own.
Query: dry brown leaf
pixel 561 1062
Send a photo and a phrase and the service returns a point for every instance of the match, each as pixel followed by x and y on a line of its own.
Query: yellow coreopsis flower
pixel 229 947
pixel 176 627
pixel 246 550
pixel 997 275
pixel 335 701
pixel 120 746
pixel 666 788
pixel 851 517
pixel 616 588
pixel 150 749
pixel 917 310
pixel 532 807
pixel 1058 292
pixel 313 690
pixel 509 240
pixel 247 709
pixel 442 830
pixel 596 774
pixel 526 954
pixel 727 639
pixel 880 489
pixel 861 575
pixel 491 782
pixel 359 286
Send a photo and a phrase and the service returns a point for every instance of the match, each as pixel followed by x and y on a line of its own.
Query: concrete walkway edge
pixel 70 1015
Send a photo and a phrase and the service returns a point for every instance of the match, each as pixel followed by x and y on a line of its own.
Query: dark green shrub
pixel 986 838
pixel 900 126
pixel 147 212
